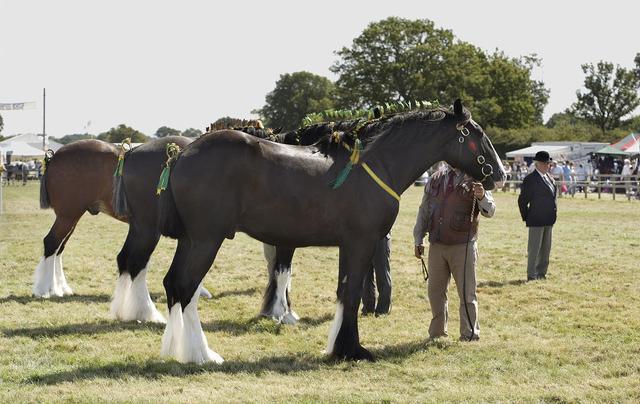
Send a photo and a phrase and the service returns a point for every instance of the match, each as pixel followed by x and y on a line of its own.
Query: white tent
pixel 32 140
pixel 21 149
pixel 554 151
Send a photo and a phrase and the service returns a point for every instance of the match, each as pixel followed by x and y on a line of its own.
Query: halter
pixel 487 171
pixel 486 168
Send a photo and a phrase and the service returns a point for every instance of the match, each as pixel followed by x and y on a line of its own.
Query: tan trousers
pixel 444 261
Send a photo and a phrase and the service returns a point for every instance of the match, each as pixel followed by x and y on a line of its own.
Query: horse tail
pixel 169 222
pixel 119 198
pixel 44 194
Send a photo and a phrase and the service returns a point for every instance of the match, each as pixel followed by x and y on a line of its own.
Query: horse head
pixel 472 151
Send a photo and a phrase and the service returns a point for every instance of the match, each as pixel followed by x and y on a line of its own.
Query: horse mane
pixel 372 131
pixel 368 131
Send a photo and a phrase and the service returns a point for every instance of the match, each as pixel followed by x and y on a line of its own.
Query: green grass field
pixel 573 337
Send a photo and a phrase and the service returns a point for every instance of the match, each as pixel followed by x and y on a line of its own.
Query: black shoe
pixel 366 312
pixel 531 278
pixel 542 277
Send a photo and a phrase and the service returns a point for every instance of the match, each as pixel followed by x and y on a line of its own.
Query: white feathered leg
pixel 59 275
pixel 45 283
pixel 183 337
pixel 335 328
pixel 123 284
pixel 131 300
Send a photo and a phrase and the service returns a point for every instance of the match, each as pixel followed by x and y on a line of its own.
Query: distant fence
pixel 625 186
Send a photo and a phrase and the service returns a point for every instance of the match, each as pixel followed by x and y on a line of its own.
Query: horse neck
pixel 407 151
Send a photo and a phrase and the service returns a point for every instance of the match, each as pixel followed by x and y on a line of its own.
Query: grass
pixel 573 337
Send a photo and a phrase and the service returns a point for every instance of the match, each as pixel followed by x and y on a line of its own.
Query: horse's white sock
pixel 183 337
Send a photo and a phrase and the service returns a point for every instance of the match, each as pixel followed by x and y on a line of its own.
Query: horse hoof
pixel 360 354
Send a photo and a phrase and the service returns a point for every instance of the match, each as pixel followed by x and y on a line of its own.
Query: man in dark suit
pixel 537 203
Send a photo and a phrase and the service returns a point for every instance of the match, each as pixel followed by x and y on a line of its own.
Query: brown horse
pixel 79 178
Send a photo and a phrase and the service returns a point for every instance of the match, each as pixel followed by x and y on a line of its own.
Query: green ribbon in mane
pixel 172 153
pixel 123 151
pixel 354 158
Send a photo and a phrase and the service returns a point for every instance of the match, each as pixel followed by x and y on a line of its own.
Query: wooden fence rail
pixel 629 186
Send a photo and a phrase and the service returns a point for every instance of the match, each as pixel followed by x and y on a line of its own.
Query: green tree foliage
pixel 294 96
pixel 404 60
pixel 611 94
pixel 165 131
pixel 192 132
pixel 1 123
pixel 227 122
pixel 117 135
pixel 632 124
pixel 72 138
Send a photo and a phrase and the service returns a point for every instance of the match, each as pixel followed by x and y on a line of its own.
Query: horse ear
pixel 457 108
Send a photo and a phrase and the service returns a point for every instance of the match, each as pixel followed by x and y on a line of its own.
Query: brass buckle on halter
pixel 490 167
pixel 463 131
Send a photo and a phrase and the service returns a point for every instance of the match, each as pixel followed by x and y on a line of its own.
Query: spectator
pixel 581 176
pixel 625 176
pixel 508 176
pixel 557 173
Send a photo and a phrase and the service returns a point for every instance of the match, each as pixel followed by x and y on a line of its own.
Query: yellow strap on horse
pixel 355 155
pixel 380 182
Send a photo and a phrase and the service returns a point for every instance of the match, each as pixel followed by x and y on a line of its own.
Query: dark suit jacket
pixel 537 202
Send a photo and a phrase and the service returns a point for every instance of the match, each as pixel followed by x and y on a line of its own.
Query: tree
pixel 74 137
pixel 1 123
pixel 117 135
pixel 611 94
pixel 405 60
pixel 294 96
pixel 165 131
pixel 192 132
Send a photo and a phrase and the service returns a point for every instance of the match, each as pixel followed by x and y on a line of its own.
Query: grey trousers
pixel 446 261
pixel 379 265
pixel 538 249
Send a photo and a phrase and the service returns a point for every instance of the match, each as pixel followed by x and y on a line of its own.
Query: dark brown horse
pixel 215 182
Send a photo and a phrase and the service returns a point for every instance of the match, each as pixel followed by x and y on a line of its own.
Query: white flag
pixel 17 106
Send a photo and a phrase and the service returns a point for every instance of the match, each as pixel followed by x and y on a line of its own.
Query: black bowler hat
pixel 542 156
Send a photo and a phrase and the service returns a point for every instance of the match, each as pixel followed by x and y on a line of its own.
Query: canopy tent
pixel 627 146
pixel 612 151
pixel 21 149
pixel 32 140
pixel 629 141
pixel 554 151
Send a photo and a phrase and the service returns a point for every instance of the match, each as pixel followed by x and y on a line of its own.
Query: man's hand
pixel 419 251
pixel 478 190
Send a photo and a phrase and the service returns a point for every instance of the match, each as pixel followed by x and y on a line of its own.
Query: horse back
pixel 142 168
pixel 273 192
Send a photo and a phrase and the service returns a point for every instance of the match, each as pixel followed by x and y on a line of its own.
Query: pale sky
pixel 186 63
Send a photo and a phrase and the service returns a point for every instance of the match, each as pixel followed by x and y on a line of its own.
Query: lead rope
pixel 464 271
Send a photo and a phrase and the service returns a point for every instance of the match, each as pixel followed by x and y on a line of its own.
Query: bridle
pixel 485 168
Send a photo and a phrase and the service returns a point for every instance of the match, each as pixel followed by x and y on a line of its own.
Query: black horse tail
pixel 169 222
pixel 44 194
pixel 119 198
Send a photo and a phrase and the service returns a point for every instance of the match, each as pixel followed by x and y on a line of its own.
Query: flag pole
pixel 44 108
